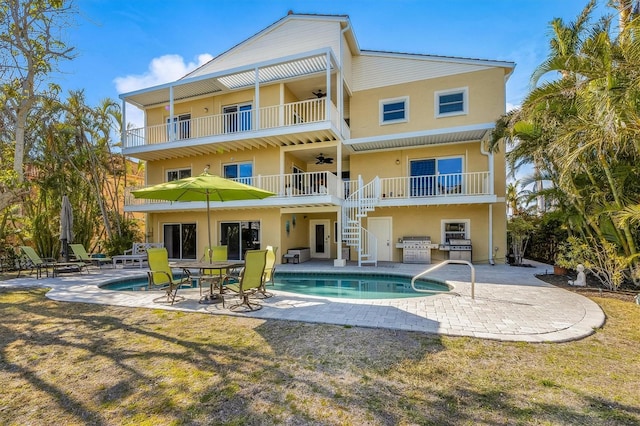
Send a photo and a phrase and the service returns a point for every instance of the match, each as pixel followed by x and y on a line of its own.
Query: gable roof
pixel 343 20
pixel 226 72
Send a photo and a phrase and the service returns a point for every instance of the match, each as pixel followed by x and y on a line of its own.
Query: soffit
pixel 418 139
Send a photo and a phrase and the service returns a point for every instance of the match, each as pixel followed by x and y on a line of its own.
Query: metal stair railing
pixel 440 265
pixel 355 207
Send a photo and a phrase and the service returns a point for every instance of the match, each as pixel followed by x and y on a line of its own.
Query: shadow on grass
pixel 83 363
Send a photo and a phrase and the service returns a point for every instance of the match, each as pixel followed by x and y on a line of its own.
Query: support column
pixel 172 125
pixel 257 97
pixel 339 262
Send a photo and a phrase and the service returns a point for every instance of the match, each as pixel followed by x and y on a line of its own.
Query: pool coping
pixel 510 304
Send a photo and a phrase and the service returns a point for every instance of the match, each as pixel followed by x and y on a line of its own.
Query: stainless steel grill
pixel 460 249
pixel 416 249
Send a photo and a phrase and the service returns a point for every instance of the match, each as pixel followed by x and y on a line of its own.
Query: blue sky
pixel 125 45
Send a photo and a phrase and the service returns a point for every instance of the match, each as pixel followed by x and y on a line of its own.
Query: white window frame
pixel 384 102
pixel 243 179
pixel 444 222
pixel 178 169
pixel 465 101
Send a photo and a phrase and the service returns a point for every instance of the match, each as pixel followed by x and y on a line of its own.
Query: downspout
pixel 340 88
pixel 489 155
pixel 340 262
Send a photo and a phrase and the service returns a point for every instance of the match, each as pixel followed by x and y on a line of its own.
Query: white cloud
pixel 511 106
pixel 163 69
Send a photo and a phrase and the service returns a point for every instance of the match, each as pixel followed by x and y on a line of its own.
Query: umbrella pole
pixel 209 230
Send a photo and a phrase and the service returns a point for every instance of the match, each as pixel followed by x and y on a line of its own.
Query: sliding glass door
pixel 240 237
pixel 180 240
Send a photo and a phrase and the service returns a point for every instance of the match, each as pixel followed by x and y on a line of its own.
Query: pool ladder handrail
pixel 440 265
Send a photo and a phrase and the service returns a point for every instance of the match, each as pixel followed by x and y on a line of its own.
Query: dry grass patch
pixel 67 363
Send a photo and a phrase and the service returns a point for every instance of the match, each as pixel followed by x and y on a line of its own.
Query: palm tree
pixel 580 126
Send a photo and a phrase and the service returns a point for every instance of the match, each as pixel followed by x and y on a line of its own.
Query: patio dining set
pixel 215 275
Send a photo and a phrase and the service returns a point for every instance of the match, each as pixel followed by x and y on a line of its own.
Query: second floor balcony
pixel 324 188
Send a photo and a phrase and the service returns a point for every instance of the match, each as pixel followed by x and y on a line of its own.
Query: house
pixel 361 148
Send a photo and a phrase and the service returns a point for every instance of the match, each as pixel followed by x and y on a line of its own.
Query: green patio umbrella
pixel 205 187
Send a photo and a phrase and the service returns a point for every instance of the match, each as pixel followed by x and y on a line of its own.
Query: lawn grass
pixel 69 363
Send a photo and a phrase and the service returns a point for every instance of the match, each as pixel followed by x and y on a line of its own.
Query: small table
pixel 203 266
pixel 126 257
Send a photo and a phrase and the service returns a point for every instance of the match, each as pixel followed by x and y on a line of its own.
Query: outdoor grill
pixel 416 249
pixel 460 249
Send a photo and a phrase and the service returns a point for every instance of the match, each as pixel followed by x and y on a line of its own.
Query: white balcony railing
pixel 286 115
pixel 455 184
pixel 289 185
pixel 325 183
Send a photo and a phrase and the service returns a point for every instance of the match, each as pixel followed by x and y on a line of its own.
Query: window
pixel 436 176
pixel 237 118
pixel 241 172
pixel 456 229
pixel 180 240
pixel 394 110
pixel 181 127
pixel 451 102
pixel 178 174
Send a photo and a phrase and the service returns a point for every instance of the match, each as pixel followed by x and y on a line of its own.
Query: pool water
pixel 347 286
pixel 354 286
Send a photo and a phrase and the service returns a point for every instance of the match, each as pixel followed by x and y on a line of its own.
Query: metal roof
pixel 423 138
pixel 240 78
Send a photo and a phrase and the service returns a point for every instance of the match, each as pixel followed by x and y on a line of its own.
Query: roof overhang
pixel 281 69
pixel 447 135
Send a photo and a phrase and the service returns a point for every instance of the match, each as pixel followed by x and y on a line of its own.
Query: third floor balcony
pixel 308 121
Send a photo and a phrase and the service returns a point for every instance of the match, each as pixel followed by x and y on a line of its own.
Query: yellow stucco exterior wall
pixel 486 94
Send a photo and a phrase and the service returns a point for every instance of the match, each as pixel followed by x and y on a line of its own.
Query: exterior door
pixel 180 240
pixel 240 237
pixel 230 237
pixel 380 227
pixel 181 126
pixel 320 238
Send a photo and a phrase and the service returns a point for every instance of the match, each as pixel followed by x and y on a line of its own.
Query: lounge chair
pixel 249 281
pixel 160 275
pixel 35 262
pixel 81 254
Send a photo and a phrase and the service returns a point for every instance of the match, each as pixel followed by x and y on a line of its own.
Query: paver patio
pixel 510 303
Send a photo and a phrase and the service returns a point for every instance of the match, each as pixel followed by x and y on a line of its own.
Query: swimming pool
pixel 343 286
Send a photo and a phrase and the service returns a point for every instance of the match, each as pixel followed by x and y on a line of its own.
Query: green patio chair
pixel 249 281
pixel 218 254
pixel 33 261
pixel 80 253
pixel 160 275
pixel 269 271
pixel 270 267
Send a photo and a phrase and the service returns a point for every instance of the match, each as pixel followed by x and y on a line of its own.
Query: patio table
pixel 203 266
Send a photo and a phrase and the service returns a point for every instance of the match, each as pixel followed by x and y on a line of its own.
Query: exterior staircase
pixel 355 208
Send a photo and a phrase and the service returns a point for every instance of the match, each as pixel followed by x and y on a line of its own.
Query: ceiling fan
pixel 321 159
pixel 319 93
